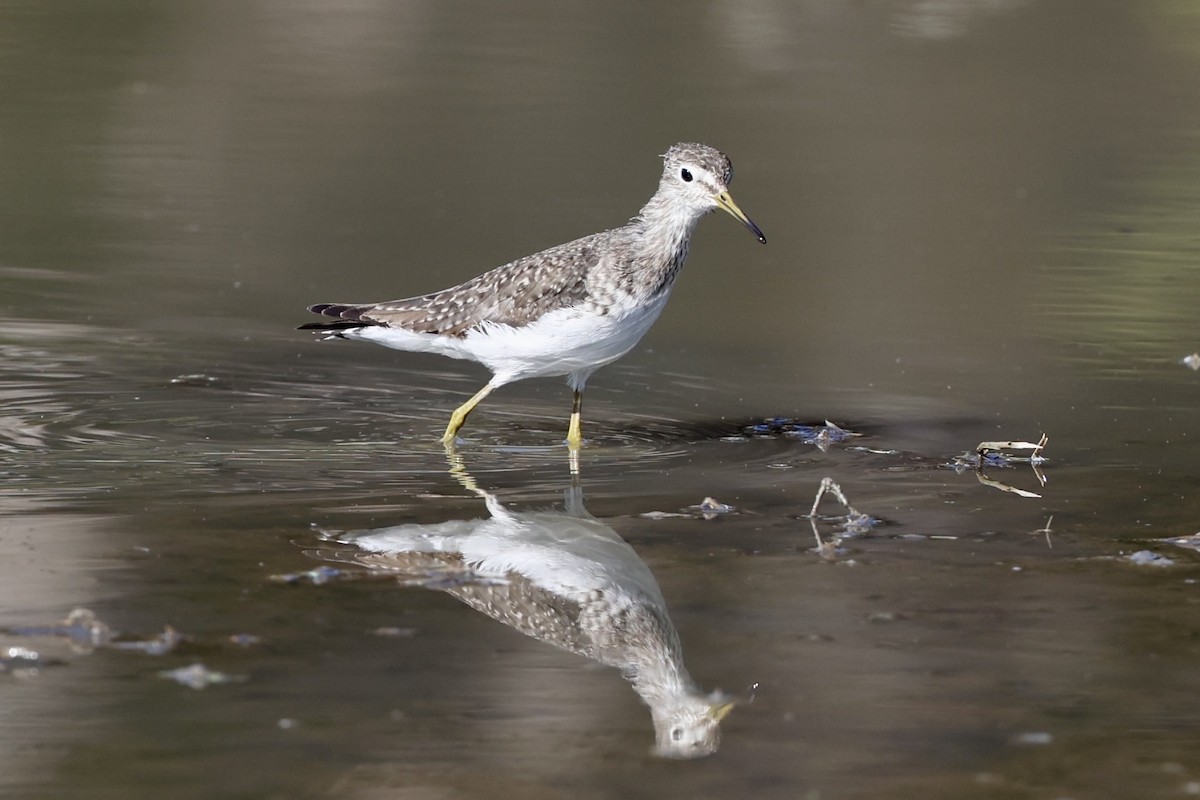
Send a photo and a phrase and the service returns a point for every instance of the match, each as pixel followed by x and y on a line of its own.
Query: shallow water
pixel 981 219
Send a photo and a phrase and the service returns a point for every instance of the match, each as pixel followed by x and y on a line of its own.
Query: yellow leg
pixel 460 414
pixel 574 435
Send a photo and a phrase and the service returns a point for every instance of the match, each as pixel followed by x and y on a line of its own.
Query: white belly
pixel 563 342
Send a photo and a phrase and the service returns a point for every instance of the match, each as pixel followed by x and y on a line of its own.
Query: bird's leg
pixel 574 434
pixel 460 414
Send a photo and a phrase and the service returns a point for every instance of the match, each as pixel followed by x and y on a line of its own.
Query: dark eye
pixel 686 175
pixel 677 733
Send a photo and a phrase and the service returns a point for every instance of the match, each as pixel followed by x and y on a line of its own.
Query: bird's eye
pixel 677 733
pixel 686 175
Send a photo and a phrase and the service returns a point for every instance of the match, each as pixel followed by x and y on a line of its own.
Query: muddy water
pixel 982 227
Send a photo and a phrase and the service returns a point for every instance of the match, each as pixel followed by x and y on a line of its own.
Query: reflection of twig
pixel 1004 487
pixel 1034 460
pixel 1046 530
pixel 855 522
pixel 1037 473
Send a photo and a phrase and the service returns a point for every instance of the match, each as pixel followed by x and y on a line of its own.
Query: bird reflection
pixel 564 578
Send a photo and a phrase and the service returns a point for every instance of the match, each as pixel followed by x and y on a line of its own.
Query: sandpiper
pixel 566 311
pixel 564 578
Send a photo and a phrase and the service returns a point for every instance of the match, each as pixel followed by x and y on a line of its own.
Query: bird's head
pixel 699 176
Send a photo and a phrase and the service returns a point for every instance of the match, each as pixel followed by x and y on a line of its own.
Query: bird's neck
pixel 656 669
pixel 660 686
pixel 662 234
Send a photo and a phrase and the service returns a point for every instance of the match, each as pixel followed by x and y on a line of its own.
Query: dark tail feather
pixel 331 326
pixel 348 316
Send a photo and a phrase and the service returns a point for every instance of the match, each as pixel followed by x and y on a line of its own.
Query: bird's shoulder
pixel 514 294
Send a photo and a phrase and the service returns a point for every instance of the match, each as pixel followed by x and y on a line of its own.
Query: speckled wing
pixel 514 294
pixel 598 629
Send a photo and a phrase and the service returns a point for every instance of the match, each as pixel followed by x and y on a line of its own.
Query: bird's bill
pixel 726 202
pixel 719 712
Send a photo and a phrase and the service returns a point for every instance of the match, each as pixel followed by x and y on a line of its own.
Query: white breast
pixel 563 342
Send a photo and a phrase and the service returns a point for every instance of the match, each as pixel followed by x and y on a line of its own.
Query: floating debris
pixel 82 628
pixel 665 515
pixel 1192 361
pixel 1191 542
pixel 875 451
pixel 708 509
pixel 820 435
pixel 1149 558
pixel 992 454
pixel 999 447
pixel 84 632
pixel 853 523
pixel 160 645
pixel 711 505
pixel 198 676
